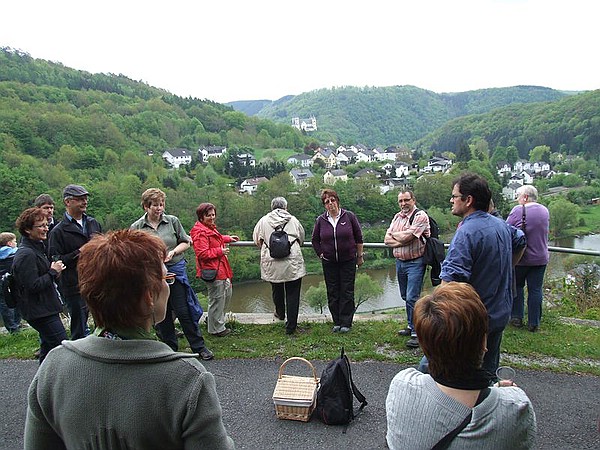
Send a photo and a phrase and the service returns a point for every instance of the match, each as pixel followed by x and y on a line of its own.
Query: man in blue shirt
pixel 481 254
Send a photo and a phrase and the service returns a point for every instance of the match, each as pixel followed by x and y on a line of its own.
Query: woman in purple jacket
pixel 534 220
pixel 337 240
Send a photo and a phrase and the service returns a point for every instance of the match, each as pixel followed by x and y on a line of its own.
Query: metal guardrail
pixel 381 245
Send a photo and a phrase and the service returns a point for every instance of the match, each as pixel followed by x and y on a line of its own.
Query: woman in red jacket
pixel 211 253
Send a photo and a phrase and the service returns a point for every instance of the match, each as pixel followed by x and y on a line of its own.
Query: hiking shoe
pixel 206 354
pixel 532 328
pixel 413 342
pixel 223 333
pixel 289 331
pixel 336 328
pixel 344 329
pixel 405 332
pixel 277 316
pixel 516 322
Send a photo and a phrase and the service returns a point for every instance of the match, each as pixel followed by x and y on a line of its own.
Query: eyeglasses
pixel 169 278
pixel 452 197
pixel 329 200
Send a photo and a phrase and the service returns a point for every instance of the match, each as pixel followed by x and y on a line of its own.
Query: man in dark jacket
pixel 64 243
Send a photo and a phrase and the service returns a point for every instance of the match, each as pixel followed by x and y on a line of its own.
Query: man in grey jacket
pixel 284 274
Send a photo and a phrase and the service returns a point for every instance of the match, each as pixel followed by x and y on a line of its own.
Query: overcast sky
pixel 225 50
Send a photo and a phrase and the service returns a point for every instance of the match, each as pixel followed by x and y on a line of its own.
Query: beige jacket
pixel 286 269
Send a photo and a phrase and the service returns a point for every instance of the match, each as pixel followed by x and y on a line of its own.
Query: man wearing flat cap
pixel 64 242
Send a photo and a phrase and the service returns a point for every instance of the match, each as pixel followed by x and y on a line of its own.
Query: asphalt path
pixel 567 406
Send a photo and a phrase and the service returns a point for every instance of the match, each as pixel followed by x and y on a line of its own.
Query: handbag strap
pixel 444 443
pixel 446 440
pixel 524 219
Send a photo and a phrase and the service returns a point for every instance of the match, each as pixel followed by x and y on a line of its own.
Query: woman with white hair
pixel 284 274
pixel 534 219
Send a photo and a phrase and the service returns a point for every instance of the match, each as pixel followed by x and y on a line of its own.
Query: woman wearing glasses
pixel 139 393
pixel 337 240
pixel 39 303
pixel 183 302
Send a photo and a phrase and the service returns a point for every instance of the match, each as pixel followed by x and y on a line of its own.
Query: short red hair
pixel 203 209
pixel 117 271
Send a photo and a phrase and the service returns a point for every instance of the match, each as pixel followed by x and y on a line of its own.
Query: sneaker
pixel 344 329
pixel 278 317
pixel 532 328
pixel 516 322
pixel 413 342
pixel 405 332
pixel 223 333
pixel 206 354
pixel 336 328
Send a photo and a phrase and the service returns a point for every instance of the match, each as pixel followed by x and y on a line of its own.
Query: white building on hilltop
pixel 309 124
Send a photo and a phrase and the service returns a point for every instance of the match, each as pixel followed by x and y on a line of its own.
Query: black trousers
pixel 286 297
pixel 339 280
pixel 177 304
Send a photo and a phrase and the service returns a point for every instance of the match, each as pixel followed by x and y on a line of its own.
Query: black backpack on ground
pixel 435 251
pixel 335 398
pixel 279 243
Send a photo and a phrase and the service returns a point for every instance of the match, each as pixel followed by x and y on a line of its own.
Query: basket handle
pixel 305 361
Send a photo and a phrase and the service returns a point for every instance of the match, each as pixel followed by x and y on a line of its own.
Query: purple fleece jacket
pixel 337 245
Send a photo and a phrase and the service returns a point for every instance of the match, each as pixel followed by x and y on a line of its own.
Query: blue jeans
pixel 534 276
pixel 11 317
pixel 410 280
pixel 52 333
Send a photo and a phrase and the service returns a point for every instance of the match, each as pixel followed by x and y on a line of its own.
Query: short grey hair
pixel 278 203
pixel 530 191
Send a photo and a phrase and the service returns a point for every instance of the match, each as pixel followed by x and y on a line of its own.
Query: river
pixel 256 296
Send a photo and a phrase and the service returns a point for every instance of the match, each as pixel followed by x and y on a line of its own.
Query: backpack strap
pixel 412 216
pixel 359 396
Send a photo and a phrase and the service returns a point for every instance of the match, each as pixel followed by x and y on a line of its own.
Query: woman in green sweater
pixel 122 388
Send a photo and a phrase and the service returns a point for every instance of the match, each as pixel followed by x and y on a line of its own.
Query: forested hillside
pixel 391 115
pixel 569 126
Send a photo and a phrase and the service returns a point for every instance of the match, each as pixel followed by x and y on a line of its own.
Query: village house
pixel 301 176
pixel 211 151
pixel 247 159
pixel 345 157
pixel 250 185
pixel 301 160
pixel 438 164
pixel 177 157
pixel 327 156
pixel 334 175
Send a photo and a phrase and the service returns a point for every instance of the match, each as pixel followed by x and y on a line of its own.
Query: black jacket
pixel 32 271
pixel 64 242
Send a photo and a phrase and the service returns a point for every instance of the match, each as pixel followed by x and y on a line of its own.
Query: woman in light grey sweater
pixel 424 408
pixel 122 388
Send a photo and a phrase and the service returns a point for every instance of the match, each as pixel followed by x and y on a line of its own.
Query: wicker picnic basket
pixel 295 397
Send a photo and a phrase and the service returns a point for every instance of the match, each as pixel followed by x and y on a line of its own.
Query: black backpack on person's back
pixel 279 243
pixel 335 398
pixel 435 251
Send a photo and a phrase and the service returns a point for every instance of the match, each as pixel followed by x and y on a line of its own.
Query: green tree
pixel 316 296
pixel 365 289
pixel 539 153
pixel 563 215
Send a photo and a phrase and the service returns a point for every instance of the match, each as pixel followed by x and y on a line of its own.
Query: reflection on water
pixel 256 296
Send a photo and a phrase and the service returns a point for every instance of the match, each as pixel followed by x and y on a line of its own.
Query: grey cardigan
pixel 98 393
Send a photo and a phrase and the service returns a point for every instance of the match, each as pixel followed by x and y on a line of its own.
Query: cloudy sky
pixel 226 50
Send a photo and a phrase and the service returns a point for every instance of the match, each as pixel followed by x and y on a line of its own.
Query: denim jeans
pixel 534 276
pixel 410 280
pixel 286 297
pixel 339 280
pixel 177 306
pixel 52 333
pixel 11 317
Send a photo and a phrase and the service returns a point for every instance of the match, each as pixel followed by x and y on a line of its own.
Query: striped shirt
pixel 420 227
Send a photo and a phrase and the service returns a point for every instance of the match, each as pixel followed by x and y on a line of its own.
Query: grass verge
pixel 557 346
